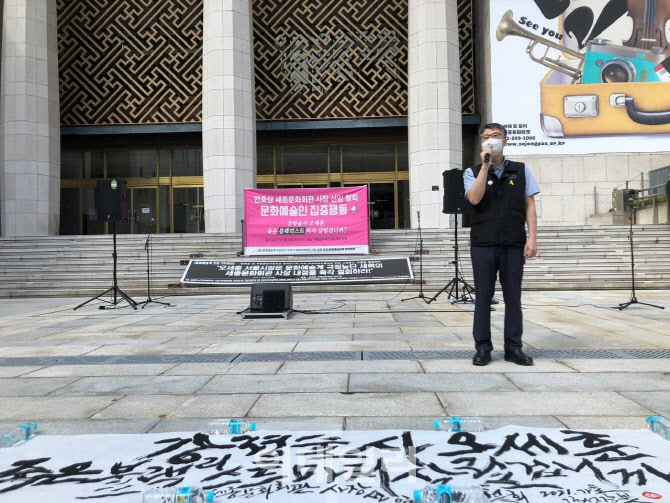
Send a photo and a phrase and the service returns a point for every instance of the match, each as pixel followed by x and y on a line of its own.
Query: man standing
pixel 502 193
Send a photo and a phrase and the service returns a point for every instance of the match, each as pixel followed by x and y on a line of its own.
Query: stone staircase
pixel 570 258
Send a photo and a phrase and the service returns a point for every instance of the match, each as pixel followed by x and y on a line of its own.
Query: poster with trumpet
pixel 581 77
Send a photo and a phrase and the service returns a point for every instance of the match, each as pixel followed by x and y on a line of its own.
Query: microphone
pixel 146 243
pixel 488 144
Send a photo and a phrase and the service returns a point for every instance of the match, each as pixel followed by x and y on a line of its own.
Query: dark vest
pixel 500 217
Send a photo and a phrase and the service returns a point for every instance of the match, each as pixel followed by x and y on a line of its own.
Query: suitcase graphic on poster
pixel 603 109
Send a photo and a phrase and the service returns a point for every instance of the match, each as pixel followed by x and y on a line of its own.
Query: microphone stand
pixel 147 247
pixel 633 297
pixel 465 297
pixel 421 295
pixel 118 294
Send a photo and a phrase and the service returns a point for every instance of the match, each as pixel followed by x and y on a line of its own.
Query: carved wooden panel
pixel 466 46
pixel 140 62
pixel 330 59
pixel 130 61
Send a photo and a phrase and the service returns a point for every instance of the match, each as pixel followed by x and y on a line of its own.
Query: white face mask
pixel 495 144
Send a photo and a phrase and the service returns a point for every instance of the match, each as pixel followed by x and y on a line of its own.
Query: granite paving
pixel 111 395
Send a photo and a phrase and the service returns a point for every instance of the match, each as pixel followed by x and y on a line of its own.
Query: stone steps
pixel 167 268
pixel 570 258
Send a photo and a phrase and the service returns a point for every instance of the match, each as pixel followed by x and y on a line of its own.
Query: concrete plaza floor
pixel 163 394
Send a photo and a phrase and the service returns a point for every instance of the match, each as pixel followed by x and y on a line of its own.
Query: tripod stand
pixel 118 294
pixel 421 295
pixel 147 247
pixel 452 287
pixel 633 297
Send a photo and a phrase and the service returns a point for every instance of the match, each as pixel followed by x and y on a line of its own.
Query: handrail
pixel 647 189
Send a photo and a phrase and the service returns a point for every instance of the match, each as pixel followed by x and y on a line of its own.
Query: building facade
pixel 192 101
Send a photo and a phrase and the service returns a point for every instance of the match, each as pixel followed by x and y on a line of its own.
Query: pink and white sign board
pixel 306 221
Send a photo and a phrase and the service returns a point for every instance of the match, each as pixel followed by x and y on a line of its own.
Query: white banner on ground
pixel 513 464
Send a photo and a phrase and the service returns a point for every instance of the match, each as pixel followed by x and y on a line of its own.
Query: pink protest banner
pixel 306 221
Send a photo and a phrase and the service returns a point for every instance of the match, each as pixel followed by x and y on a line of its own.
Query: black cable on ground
pixel 163 297
pixel 335 310
pixel 560 305
pixel 381 312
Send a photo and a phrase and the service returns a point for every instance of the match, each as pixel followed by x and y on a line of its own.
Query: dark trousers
pixel 487 262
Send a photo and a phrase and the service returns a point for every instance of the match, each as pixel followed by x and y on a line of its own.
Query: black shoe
pixel 517 356
pixel 481 358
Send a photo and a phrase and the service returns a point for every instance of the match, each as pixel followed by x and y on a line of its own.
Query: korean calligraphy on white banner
pixel 512 464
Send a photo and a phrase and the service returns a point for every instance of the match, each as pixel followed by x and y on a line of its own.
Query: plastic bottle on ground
pixel 438 493
pixel 659 425
pixel 178 495
pixel 230 426
pixel 18 435
pixel 455 424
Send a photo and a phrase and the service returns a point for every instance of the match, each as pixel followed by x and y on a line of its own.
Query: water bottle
pixel 18 435
pixel 659 425
pixel 438 493
pixel 178 495
pixel 230 426
pixel 456 424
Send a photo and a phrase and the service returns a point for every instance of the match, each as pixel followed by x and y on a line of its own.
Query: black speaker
pixel 110 200
pixel 454 200
pixel 628 194
pixel 271 297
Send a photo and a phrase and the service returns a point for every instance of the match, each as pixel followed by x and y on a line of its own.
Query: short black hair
pixel 493 125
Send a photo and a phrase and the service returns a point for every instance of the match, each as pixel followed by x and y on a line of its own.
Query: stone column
pixel 228 112
pixel 29 119
pixel 435 137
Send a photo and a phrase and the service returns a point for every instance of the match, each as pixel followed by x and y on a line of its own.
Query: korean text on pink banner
pixel 306 221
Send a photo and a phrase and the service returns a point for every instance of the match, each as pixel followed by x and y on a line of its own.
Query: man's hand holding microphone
pixel 486 154
pixel 476 192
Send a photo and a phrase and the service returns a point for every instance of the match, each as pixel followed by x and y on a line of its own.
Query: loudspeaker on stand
pixel 110 200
